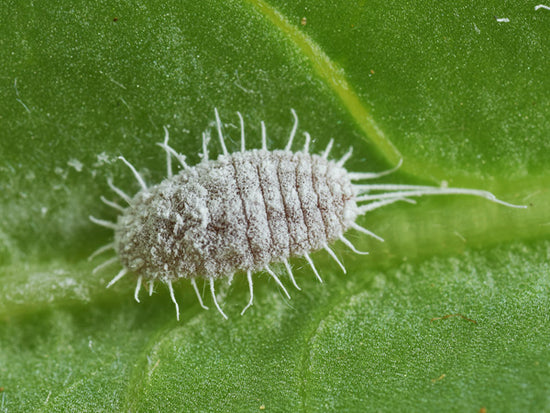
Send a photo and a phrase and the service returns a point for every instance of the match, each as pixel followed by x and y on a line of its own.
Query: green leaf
pixel 449 313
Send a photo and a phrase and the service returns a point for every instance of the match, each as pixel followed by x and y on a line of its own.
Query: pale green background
pixel 462 97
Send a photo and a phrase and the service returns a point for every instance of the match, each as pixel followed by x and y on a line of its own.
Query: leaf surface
pixel 457 91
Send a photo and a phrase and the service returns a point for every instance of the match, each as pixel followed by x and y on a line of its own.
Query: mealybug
pixel 243 212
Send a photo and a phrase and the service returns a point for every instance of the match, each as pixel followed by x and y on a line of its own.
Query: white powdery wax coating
pixel 245 211
pixel 240 212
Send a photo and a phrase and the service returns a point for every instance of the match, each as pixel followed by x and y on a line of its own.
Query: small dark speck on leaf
pixel 453 315
pixel 115 19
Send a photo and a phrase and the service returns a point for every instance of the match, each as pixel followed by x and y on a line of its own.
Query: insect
pixel 243 212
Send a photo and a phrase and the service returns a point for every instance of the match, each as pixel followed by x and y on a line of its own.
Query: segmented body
pixel 240 212
pixel 243 212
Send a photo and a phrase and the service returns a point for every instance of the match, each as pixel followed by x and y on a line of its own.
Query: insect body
pixel 244 211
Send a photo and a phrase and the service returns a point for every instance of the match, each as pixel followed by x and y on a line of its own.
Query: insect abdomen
pixel 279 208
